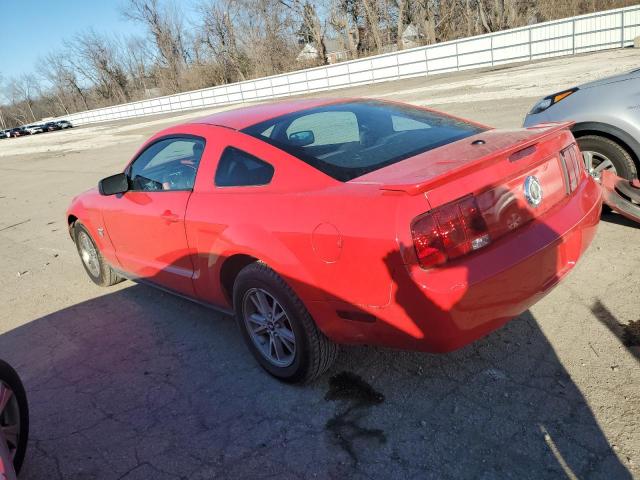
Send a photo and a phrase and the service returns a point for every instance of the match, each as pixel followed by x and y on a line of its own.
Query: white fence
pixel 585 33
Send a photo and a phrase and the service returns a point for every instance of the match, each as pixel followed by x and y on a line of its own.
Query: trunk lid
pixel 508 177
pixel 513 149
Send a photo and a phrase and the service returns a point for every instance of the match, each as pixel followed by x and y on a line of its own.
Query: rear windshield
pixel 347 140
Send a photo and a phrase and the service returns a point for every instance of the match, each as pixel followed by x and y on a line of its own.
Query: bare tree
pixel 401 22
pixel 63 79
pixel 311 30
pixel 168 34
pixel 347 18
pixel 372 19
pixel 98 58
pixel 234 40
pixel 23 92
pixel 269 37
pixel 137 59
pixel 219 35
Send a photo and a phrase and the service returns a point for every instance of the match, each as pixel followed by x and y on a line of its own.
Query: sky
pixel 29 29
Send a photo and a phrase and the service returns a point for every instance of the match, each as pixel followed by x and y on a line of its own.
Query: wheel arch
pixel 229 271
pixel 293 274
pixel 284 263
pixel 71 221
pixel 615 134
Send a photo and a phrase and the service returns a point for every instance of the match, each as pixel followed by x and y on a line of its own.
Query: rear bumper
pixel 443 309
pixel 621 195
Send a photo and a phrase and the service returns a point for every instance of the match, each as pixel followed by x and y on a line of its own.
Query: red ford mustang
pixel 322 222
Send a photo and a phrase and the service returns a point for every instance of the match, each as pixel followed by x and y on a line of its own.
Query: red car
pixel 320 222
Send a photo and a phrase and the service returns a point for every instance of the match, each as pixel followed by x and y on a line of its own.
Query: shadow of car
pixel 141 383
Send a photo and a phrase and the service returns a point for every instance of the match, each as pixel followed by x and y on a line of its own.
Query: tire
pixel 16 409
pixel 314 352
pixel 99 272
pixel 603 147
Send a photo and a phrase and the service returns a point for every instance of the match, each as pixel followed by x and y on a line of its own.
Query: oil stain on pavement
pixel 356 397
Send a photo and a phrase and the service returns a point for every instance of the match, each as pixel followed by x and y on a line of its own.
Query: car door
pixel 146 224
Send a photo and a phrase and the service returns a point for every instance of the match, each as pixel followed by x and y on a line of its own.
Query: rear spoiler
pixel 538 133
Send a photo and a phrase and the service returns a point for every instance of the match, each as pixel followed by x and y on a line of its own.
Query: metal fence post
pixel 573 37
pixel 622 29
pixel 426 62
pixel 491 39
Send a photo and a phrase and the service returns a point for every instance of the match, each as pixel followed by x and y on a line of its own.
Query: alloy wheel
pixel 269 327
pixel 9 419
pixel 596 163
pixel 89 254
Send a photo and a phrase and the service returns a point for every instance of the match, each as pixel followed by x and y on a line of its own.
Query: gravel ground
pixel 132 383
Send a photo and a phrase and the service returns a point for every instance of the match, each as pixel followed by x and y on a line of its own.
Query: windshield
pixel 347 140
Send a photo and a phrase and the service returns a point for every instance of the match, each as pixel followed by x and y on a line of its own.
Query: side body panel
pixel 147 230
pixel 325 238
pixel 87 208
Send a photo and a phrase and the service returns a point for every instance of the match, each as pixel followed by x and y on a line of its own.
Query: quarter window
pixel 169 164
pixel 237 168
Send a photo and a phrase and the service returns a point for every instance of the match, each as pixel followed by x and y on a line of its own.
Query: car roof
pixel 245 117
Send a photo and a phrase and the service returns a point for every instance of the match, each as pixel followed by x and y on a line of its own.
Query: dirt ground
pixel 132 383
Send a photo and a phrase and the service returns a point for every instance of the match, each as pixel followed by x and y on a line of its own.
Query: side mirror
pixel 118 183
pixel 302 139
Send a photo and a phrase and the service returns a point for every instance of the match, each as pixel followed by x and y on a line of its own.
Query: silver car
pixel 33 129
pixel 607 116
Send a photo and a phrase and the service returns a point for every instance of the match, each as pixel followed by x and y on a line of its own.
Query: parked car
pixel 607 116
pixel 321 222
pixel 14 422
pixel 51 126
pixel 18 132
pixel 64 124
pixel 33 129
pixel 4 133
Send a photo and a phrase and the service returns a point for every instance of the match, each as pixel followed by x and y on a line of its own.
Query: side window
pixel 169 164
pixel 403 124
pixel 237 168
pixel 328 128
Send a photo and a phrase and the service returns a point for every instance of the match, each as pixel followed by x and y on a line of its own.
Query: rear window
pixel 347 140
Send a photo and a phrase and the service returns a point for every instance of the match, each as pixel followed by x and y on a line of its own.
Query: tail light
pixel 449 231
pixel 574 166
pixel 474 221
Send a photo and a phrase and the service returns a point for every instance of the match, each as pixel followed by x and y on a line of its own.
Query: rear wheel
pixel 277 327
pixel 14 415
pixel 601 153
pixel 98 270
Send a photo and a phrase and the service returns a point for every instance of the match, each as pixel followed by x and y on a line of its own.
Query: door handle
pixel 169 216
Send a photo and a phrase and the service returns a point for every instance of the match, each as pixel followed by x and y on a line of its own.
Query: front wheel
pixel 601 153
pixel 277 327
pixel 14 417
pixel 98 270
